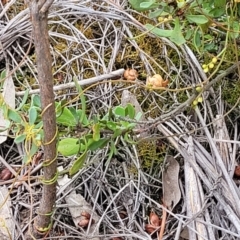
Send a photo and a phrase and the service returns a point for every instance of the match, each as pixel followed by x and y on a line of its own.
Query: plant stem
pixel 39 14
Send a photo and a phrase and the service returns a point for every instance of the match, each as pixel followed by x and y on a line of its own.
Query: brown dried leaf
pixel 150 228
pixel 171 190
pixel 130 74
pixel 86 214
pixel 83 223
pixel 6 174
pixel 154 219
pixel 237 171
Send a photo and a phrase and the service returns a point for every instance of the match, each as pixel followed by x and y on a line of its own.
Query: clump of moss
pixel 182 97
pixel 231 91
pixel 151 152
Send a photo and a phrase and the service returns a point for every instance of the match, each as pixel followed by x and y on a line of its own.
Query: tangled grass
pixel 93 38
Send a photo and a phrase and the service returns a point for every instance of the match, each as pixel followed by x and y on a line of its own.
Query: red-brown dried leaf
pixel 123 214
pixel 86 215
pixel 59 77
pixel 4 2
pixel 37 158
pixel 237 172
pixel 6 174
pixel 83 223
pixel 154 219
pixel 150 228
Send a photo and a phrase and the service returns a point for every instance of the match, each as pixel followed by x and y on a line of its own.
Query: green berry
pixel 205 70
pixel 211 65
pixel 200 99
pixel 214 60
pixel 198 89
pixel 195 102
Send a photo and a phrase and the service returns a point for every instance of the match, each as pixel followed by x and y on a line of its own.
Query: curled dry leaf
pixel 237 172
pixel 85 220
pixel 156 81
pixel 6 174
pixel 150 228
pixel 155 223
pixel 4 2
pixel 86 215
pixel 130 74
pixel 116 238
pixel 122 214
pixel 154 219
pixel 83 223
pixel 37 158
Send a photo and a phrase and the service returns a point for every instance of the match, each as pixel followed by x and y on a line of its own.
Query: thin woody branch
pixel 39 15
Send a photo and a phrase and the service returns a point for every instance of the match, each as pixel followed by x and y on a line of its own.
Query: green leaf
pixel 34 149
pixel 74 113
pixel 136 4
pixel 156 13
pixel 83 100
pixel 181 4
pixel 197 40
pixel 14 116
pixel 159 32
pixel 69 146
pixel 25 158
pixel 177 36
pixel 38 125
pixel 94 145
pixel 35 101
pixel 96 131
pixel 58 109
pixel 217 12
pixel 138 116
pixel 20 138
pixel 127 125
pixel 24 100
pixel 120 111
pixel 82 117
pixel 127 139
pixel 117 132
pixel 130 111
pixel 235 27
pixel 67 118
pixel 111 125
pixel 113 151
pixel 147 5
pixel 3 74
pixel 198 19
pixel 220 3
pixel 32 115
pixel 78 164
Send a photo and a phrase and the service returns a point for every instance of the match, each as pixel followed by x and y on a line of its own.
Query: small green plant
pixel 25 126
pixel 201 23
pixel 97 133
pixel 93 134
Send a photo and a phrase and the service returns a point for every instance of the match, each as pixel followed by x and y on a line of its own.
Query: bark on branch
pixel 39 15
